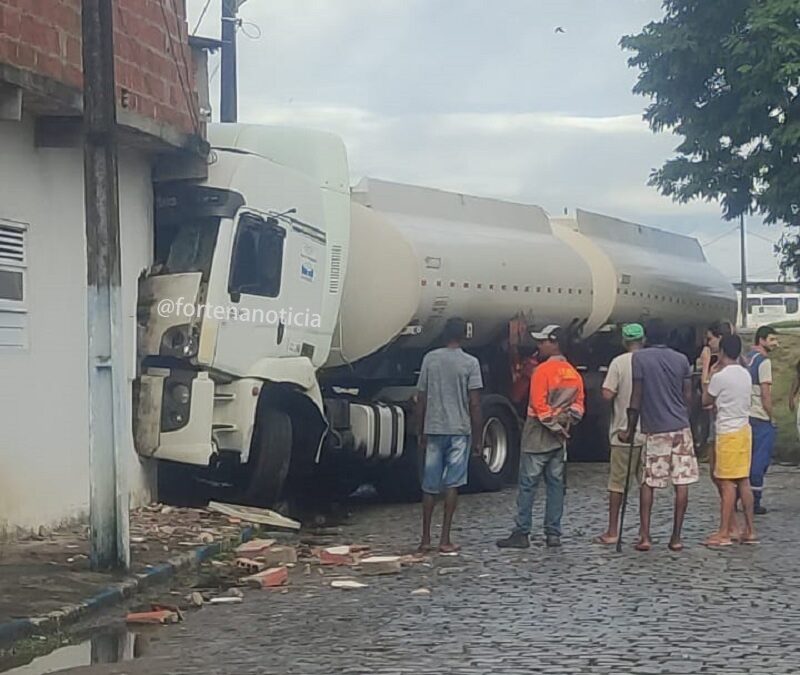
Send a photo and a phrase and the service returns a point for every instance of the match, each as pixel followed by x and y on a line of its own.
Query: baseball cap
pixel 632 332
pixel 551 332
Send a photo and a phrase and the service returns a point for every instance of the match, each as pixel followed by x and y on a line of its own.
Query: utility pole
pixel 743 253
pixel 228 105
pixel 108 490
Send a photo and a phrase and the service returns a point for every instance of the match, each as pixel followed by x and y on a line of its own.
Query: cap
pixel 551 332
pixel 631 332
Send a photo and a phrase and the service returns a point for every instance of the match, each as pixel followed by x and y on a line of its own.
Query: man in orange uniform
pixel 556 403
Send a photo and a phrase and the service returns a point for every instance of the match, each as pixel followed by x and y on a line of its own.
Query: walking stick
pixel 635 415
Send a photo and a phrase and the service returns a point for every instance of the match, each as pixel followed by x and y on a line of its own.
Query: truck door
pixel 253 326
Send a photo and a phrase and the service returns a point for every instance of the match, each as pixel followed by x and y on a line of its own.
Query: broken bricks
pixel 271 578
pixel 380 564
pixel 158 614
pixel 336 555
pixel 254 548
pixel 250 566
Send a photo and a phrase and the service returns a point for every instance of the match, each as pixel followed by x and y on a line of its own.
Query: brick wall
pixel 154 69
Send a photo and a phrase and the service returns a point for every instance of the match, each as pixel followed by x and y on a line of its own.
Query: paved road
pixel 581 609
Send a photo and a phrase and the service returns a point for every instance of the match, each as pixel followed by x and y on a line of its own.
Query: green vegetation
pixel 724 76
pixel 783 363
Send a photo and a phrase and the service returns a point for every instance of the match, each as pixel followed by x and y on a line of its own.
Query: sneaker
pixel 759 510
pixel 553 541
pixel 514 540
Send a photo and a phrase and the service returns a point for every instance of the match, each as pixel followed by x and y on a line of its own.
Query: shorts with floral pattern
pixel 669 458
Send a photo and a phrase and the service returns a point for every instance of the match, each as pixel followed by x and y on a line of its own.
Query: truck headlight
pixel 181 394
pixel 176 402
pixel 179 341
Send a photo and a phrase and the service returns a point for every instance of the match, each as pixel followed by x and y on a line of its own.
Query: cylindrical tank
pixel 482 259
pixel 419 256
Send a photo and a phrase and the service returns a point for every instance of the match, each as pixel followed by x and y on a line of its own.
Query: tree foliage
pixel 724 75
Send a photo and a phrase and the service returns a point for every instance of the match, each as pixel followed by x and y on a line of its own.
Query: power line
pixel 721 236
pixel 184 84
pixel 202 16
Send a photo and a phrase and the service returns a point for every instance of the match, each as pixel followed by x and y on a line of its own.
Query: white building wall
pixel 44 452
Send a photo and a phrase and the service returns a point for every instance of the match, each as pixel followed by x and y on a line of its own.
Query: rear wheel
pixel 270 457
pixel 499 459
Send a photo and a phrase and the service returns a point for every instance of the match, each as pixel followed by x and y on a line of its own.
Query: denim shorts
pixel 446 463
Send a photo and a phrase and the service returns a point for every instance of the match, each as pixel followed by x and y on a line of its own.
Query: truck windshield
pixel 187 246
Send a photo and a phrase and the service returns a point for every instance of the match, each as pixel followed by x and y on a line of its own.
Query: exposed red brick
pixel 151 48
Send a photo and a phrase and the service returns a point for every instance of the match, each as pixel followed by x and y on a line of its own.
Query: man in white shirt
pixel 729 391
pixel 617 389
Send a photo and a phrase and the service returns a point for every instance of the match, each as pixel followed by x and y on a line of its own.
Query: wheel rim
pixel 495 444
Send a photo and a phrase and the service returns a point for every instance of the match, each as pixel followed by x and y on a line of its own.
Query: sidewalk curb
pixel 19 629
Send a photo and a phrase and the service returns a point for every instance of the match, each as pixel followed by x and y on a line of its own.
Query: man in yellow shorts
pixel 729 391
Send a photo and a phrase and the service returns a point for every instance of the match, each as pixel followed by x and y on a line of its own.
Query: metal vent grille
pixel 12 245
pixel 336 269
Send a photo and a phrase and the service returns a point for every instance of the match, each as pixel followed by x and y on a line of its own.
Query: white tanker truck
pixel 282 327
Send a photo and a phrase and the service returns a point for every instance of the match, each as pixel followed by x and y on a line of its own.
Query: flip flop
pixel 604 541
pixel 642 548
pixel 750 541
pixel 675 548
pixel 452 549
pixel 717 543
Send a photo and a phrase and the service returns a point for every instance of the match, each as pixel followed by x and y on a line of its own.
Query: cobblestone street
pixel 581 609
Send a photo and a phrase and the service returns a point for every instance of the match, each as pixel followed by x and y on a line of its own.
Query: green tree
pixel 724 75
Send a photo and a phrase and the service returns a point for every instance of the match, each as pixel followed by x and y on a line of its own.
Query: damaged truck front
pixel 225 359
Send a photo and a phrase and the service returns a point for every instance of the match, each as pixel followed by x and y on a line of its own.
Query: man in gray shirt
pixel 449 418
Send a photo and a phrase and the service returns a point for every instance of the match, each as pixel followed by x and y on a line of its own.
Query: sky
pixel 477 97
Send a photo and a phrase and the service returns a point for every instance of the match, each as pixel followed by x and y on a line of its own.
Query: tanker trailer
pixel 300 315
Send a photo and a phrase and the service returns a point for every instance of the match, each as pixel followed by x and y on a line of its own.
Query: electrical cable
pixel 193 114
pixel 202 16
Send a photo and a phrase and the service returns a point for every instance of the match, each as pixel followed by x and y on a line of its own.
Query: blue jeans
pixel 764 435
pixel 446 463
pixel 531 467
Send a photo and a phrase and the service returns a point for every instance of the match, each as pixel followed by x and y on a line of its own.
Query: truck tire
pixel 270 456
pixel 499 462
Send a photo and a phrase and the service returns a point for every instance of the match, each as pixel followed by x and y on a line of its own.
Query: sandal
pixel 605 540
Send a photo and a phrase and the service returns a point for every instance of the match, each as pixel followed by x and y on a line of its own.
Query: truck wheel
pixel 270 456
pixel 499 460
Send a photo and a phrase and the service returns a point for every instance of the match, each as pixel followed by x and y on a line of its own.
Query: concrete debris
pixel 234 593
pixel 206 538
pixel 279 555
pixel 254 548
pixel 225 601
pixel 421 591
pixel 336 555
pixel 250 566
pixel 196 599
pixel 380 564
pixel 155 616
pixel 251 514
pixel 271 578
pixel 166 510
pixel 347 584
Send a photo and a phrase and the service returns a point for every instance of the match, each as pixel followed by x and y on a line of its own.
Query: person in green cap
pixel 617 389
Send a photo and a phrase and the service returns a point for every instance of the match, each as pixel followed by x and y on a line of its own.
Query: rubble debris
pixel 347 584
pixel 251 514
pixel 421 591
pixel 279 555
pixel 250 566
pixel 380 564
pixel 234 593
pixel 274 576
pixel 336 555
pixel 206 538
pixel 155 616
pixel 254 548
pixel 196 599
pixel 225 601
